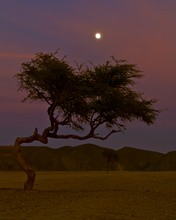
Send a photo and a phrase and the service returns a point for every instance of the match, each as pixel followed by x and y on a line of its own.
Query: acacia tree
pixel 111 158
pixel 82 97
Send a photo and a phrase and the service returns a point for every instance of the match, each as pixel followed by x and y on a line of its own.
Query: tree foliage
pixel 85 96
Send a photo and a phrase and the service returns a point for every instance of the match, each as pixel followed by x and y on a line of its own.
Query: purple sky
pixel 140 31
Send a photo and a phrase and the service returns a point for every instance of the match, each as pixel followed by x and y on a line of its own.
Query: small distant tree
pixel 112 157
pixel 83 97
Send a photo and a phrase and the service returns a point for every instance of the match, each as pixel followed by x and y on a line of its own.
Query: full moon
pixel 97 35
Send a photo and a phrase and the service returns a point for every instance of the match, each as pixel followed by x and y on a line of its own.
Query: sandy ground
pixel 89 196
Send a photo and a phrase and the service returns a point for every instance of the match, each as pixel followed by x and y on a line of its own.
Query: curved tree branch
pixel 91 134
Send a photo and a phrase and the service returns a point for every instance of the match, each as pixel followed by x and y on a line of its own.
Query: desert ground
pixel 89 196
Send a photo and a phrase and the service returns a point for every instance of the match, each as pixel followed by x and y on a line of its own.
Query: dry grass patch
pixel 89 195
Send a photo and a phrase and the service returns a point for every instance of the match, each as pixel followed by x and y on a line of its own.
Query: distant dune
pixel 89 157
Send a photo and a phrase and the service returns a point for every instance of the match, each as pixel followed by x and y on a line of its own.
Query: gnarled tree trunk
pixel 28 185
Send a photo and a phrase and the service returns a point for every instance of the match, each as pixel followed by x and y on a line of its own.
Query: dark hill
pixel 167 162
pixel 83 157
pixel 137 159
pixel 7 161
pixel 88 157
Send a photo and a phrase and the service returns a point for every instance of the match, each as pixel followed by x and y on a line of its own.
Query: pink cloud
pixel 16 55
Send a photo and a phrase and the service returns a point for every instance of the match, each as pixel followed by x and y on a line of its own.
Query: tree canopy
pixel 85 96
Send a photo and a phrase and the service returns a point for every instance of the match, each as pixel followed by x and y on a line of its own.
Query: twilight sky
pixel 141 31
